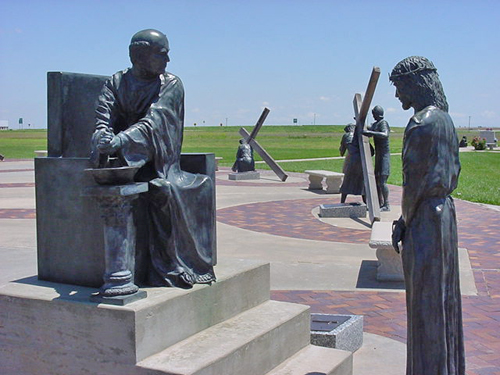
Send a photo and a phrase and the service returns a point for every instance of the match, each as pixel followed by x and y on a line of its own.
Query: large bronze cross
pixel 250 139
pixel 360 111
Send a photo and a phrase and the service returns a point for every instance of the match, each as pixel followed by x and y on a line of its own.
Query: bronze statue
pixel 244 158
pixel 463 142
pixel 353 170
pixel 380 131
pixel 428 227
pixel 140 119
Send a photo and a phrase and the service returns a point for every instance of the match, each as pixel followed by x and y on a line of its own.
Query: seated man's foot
pixel 385 208
pixel 207 278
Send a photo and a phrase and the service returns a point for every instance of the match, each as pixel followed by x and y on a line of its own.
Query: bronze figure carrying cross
pixel 250 139
pixel 360 112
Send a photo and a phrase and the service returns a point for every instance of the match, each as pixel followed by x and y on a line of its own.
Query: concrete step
pixel 49 316
pixel 316 360
pixel 252 343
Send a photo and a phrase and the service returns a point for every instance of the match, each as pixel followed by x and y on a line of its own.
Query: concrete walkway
pixel 326 264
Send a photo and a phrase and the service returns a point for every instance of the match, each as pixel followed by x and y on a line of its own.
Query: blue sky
pixel 302 59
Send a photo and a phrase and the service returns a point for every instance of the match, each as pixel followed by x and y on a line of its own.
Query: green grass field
pixel 479 179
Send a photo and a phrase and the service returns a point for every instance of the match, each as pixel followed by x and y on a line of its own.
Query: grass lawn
pixel 21 144
pixel 479 179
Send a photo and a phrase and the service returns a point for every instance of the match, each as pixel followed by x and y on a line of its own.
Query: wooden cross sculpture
pixel 361 108
pixel 250 139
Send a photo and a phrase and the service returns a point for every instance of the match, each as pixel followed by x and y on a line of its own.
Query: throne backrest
pixel 72 101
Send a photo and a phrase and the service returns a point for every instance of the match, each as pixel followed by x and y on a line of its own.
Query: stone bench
pixel 491 145
pixel 333 180
pixel 390 267
pixel 40 153
pixel 217 158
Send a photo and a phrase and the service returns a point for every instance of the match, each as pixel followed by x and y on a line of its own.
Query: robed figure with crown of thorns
pixel 428 226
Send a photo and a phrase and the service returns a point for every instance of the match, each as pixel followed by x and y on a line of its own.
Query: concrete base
pixel 250 175
pixel 121 300
pixel 348 335
pixel 390 265
pixel 333 180
pixel 227 328
pixel 343 210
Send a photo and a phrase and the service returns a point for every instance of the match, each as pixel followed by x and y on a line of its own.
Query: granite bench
pixel 390 266
pixel 217 158
pixel 333 180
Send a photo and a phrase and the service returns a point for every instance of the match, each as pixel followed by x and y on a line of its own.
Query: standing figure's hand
pixel 398 233
pixel 367 133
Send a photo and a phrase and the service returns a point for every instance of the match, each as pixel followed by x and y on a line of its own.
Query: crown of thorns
pixel 422 64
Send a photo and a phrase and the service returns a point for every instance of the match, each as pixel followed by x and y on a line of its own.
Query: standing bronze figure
pixel 428 227
pixel 140 119
pixel 352 169
pixel 380 131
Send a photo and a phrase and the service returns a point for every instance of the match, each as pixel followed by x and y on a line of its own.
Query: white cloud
pixel 324 98
pixel 391 110
pixel 457 115
pixel 488 114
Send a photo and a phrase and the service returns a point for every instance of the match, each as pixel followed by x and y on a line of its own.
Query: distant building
pixel 4 125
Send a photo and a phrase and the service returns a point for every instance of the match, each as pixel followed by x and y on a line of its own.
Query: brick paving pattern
pixel 384 312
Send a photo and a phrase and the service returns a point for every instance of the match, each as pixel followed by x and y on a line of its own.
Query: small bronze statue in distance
pixel 244 158
pixel 380 132
pixel 427 227
pixel 353 171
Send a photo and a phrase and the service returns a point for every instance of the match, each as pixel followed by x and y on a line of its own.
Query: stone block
pixel 317 360
pixel 337 331
pixel 390 265
pixel 343 210
pixel 51 328
pixel 70 237
pixel 250 175
pixel 333 180
pixel 251 343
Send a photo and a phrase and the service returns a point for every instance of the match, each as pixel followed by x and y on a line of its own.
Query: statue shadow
pixel 319 192
pixel 367 278
pixel 67 292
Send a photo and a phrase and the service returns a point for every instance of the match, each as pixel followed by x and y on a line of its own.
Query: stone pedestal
pixel 230 327
pixel 115 203
pixel 250 175
pixel 390 265
pixel 343 210
pixel 337 331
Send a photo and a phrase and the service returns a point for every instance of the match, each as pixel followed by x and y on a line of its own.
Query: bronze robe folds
pixel 431 168
pixel 148 116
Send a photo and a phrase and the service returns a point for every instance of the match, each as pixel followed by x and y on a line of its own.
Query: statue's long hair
pixel 419 76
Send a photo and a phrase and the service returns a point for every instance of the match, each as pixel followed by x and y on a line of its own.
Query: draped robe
pixel 353 169
pixel 148 117
pixel 431 168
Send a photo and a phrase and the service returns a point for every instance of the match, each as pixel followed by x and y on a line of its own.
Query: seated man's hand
pixel 109 143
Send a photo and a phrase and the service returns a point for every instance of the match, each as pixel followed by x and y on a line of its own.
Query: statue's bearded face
pixel 403 95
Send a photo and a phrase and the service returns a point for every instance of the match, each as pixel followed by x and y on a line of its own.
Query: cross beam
pixel 250 139
pixel 360 111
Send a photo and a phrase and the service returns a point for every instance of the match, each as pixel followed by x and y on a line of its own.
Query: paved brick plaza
pixel 384 311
